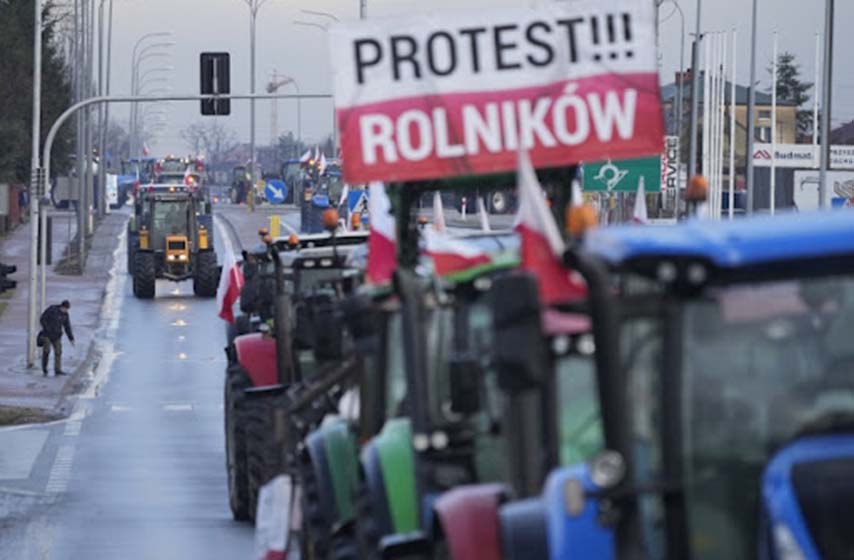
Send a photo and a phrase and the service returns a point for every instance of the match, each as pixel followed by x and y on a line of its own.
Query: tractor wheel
pixel 264 450
pixel 205 278
pixel 367 533
pixel 144 275
pixel 236 382
pixel 133 240
pixel 315 531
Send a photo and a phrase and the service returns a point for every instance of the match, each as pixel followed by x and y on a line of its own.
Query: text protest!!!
pixel 450 95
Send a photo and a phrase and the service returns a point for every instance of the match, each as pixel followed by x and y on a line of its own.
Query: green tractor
pixel 170 237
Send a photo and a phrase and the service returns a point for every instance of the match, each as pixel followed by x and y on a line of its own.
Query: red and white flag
pixel 542 245
pixel 306 157
pixel 230 284
pixel 438 213
pixel 452 255
pixel 640 215
pixel 322 164
pixel 382 247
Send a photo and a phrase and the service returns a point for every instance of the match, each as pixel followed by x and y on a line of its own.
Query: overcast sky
pixel 302 52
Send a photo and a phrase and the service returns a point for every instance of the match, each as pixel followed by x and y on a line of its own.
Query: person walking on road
pixel 54 320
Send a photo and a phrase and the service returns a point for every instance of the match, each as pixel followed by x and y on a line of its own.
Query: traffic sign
pixel 623 175
pixel 275 191
pixel 215 79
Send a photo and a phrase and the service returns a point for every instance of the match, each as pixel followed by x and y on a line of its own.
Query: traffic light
pixel 215 79
pixel 5 283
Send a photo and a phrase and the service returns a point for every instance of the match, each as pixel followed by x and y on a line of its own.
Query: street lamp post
pixel 102 110
pixel 143 56
pixel 35 184
pixel 825 106
pixel 133 60
pixel 254 7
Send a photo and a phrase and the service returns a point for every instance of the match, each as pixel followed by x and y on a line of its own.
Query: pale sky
pixel 303 53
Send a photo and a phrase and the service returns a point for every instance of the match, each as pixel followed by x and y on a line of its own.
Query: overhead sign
pixel 670 163
pixel 802 156
pixel 623 176
pixel 448 94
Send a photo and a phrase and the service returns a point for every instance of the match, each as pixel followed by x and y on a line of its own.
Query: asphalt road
pixel 138 471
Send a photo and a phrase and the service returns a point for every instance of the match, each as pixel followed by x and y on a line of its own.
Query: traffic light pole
pixel 41 178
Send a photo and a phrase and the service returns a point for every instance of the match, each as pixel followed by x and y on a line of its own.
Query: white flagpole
pixel 773 193
pixel 722 127
pixel 706 123
pixel 816 93
pixel 713 118
pixel 732 127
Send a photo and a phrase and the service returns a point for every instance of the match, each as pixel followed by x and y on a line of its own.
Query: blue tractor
pixel 725 381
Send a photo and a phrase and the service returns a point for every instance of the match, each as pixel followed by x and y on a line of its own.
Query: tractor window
pixel 764 364
pixel 642 346
pixel 171 217
pixel 579 421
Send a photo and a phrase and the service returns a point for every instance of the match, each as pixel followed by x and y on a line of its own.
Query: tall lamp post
pixel 825 106
pixel 35 184
pixel 325 29
pixel 254 7
pixel 134 62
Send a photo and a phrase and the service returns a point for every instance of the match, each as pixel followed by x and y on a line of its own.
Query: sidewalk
pixel 20 387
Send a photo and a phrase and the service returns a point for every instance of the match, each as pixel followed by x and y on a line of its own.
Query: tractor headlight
pixel 171 257
pixel 182 257
pixel 785 544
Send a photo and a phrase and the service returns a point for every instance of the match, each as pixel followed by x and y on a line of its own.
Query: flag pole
pixel 732 126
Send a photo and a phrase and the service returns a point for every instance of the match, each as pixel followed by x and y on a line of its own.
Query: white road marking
pixel 119 408
pixel 60 473
pixel 177 407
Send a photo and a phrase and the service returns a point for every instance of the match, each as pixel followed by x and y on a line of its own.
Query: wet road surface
pixel 138 471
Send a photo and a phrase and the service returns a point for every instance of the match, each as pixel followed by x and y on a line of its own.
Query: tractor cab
pixel 728 417
pixel 170 237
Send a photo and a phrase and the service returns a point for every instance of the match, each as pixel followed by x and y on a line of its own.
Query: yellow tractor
pixel 173 240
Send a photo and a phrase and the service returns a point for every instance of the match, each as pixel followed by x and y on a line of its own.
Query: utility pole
pixel 825 106
pixel 751 110
pixel 695 92
pixel 36 183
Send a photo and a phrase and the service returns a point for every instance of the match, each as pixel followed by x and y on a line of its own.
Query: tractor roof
pixel 312 240
pixel 742 243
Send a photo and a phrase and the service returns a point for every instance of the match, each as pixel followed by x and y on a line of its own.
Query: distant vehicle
pixel 170 236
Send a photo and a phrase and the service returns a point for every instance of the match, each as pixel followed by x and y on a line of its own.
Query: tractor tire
pixel 133 241
pixel 144 275
pixel 499 202
pixel 265 455
pixel 315 531
pixel 205 277
pixel 367 532
pixel 236 382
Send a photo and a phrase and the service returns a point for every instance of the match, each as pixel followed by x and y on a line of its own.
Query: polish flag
pixel 640 215
pixel 382 248
pixel 322 164
pixel 306 157
pixel 230 284
pixel 452 255
pixel 484 217
pixel 542 245
pixel 438 213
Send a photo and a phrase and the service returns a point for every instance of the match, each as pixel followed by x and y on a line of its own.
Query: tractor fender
pixel 388 470
pixel 523 530
pixel 468 516
pixel 257 357
pixel 342 455
pixel 779 498
pixel 574 533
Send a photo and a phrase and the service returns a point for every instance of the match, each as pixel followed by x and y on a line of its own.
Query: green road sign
pixel 623 175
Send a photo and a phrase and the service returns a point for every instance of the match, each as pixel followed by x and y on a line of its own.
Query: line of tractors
pixel 697 402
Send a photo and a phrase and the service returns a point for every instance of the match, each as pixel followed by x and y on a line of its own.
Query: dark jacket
pixel 53 321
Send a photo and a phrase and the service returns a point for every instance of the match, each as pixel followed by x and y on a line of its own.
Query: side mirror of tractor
pixel 521 354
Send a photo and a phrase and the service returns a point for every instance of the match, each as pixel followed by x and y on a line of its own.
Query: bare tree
pixel 210 138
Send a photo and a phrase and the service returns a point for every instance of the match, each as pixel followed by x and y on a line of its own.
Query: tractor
pixel 726 401
pixel 296 348
pixel 170 237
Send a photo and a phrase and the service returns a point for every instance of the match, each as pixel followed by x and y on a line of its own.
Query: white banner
pixel 670 163
pixel 839 193
pixel 459 93
pixel 802 156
